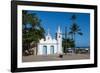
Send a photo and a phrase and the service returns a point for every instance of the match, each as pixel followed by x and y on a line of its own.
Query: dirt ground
pixel 33 58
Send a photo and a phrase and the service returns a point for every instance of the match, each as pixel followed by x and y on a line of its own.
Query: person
pixel 60 55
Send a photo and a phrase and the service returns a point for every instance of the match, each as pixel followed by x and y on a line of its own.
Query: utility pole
pixel 66 39
pixel 65 32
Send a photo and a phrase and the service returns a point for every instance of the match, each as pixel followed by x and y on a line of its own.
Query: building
pixel 50 46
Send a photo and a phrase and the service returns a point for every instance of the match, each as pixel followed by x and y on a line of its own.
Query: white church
pixel 49 45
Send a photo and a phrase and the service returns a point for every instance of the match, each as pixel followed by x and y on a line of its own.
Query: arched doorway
pixel 52 50
pixel 44 50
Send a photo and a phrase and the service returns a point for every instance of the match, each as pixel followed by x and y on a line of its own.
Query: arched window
pixel 44 50
pixel 52 50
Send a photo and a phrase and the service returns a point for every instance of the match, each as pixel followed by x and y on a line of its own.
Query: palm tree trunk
pixel 74 43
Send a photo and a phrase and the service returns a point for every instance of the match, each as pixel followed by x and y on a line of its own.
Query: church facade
pixel 50 46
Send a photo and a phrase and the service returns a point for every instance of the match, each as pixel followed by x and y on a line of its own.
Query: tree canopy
pixel 32 29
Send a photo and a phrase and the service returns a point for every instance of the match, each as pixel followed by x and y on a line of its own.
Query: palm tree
pixel 74 29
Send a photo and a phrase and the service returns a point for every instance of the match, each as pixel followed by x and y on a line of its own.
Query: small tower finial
pixel 59 29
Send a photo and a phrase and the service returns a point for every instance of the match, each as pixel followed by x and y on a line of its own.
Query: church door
pixel 44 50
pixel 52 50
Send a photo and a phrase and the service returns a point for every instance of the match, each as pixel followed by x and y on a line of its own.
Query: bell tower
pixel 59 41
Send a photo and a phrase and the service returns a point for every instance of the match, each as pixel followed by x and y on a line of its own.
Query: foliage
pixel 74 29
pixel 32 33
pixel 67 43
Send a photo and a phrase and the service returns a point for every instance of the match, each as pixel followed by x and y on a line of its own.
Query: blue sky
pixel 51 20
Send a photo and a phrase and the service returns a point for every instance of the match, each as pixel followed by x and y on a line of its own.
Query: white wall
pixel 5 38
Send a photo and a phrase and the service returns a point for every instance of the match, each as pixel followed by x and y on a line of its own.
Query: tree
pixel 32 29
pixel 67 43
pixel 74 29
